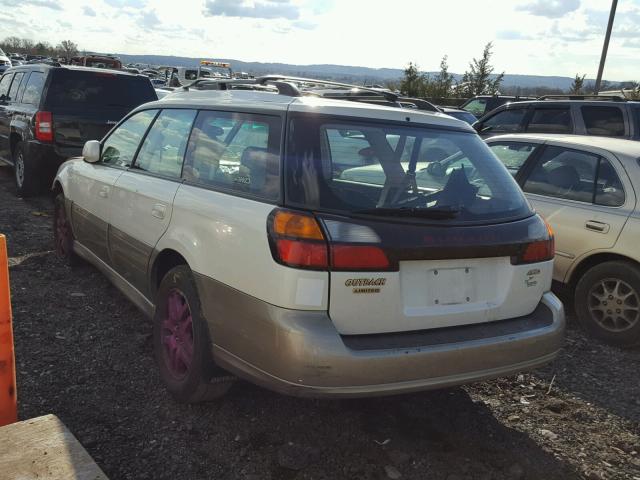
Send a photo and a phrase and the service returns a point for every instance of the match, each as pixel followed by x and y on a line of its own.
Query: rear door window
pixel 513 154
pixel 87 89
pixel 506 121
pixel 120 147
pixel 637 114
pixel 5 83
pixel 609 189
pixel 605 121
pixel 33 89
pixel 551 120
pixel 15 85
pixel 236 152
pixel 163 149
pixel 564 173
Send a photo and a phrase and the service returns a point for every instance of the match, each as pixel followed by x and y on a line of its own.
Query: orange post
pixel 8 395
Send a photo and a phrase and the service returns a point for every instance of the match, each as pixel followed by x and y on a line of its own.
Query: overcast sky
pixel 545 37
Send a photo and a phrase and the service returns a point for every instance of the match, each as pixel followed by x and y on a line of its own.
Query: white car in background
pixel 587 188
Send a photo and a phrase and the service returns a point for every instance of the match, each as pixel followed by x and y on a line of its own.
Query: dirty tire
pixel 182 343
pixel 26 173
pixel 62 233
pixel 607 303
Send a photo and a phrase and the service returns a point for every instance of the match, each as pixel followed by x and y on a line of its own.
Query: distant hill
pixel 338 72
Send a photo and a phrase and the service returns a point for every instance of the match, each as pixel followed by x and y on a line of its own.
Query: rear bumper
pixel 301 353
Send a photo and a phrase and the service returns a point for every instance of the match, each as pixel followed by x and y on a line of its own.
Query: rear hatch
pixel 86 104
pixel 424 227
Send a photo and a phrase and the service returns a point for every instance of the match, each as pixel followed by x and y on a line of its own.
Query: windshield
pixel 371 168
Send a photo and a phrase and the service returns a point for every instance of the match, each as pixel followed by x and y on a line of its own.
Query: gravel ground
pixel 84 353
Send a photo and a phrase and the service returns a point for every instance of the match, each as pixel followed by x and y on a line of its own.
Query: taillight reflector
pixel 44 126
pixel 358 257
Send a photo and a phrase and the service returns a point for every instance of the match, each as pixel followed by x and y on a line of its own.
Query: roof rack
pixel 611 98
pixel 390 96
pixel 284 88
pixel 295 87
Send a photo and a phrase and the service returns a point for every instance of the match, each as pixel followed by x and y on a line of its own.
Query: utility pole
pixel 605 48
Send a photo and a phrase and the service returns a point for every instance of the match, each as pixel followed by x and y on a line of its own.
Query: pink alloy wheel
pixel 177 335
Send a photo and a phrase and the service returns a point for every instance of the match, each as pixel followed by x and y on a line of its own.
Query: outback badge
pixel 365 285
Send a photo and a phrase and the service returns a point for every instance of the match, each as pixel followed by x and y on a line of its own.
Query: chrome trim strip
pixel 128 290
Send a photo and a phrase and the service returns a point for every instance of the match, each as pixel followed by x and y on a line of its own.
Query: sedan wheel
pixel 614 305
pixel 607 302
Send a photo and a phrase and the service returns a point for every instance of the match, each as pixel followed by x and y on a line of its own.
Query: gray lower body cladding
pixel 301 352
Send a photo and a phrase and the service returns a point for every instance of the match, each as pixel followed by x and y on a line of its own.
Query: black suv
pixel 573 115
pixel 483 104
pixel 48 112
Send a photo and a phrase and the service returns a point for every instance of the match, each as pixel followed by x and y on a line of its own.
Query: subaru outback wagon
pixel 224 215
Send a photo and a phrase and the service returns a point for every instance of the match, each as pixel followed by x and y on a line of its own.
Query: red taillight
pixel 539 250
pixel 44 126
pixel 358 257
pixel 298 241
pixel 303 254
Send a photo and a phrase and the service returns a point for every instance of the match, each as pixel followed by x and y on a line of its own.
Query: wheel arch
pixel 161 263
pixel 591 261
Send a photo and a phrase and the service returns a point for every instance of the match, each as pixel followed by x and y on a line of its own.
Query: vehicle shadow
pixel 441 434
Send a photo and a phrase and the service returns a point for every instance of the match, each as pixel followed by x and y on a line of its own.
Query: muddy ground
pixel 84 353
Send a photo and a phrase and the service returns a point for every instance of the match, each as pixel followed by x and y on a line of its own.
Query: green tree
pixel 412 84
pixel 479 79
pixel 578 85
pixel 440 85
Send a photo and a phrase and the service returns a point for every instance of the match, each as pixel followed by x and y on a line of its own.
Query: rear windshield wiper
pixel 433 213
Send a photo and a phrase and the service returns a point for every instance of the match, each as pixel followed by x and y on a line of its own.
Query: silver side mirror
pixel 91 151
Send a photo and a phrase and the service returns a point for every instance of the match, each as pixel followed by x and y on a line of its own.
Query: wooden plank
pixel 44 449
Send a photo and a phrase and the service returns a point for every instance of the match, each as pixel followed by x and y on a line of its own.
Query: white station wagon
pixel 224 216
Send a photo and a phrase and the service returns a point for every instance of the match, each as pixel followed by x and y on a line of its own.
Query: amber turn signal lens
pixel 296 225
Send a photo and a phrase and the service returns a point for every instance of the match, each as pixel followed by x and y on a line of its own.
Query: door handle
pixel 597 226
pixel 104 192
pixel 159 210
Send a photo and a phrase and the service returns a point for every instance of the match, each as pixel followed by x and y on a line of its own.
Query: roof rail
pixel 613 98
pixel 390 96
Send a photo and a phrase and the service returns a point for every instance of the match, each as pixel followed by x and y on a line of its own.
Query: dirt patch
pixel 84 353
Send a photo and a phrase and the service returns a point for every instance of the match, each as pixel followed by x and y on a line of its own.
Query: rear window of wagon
pixel 360 167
